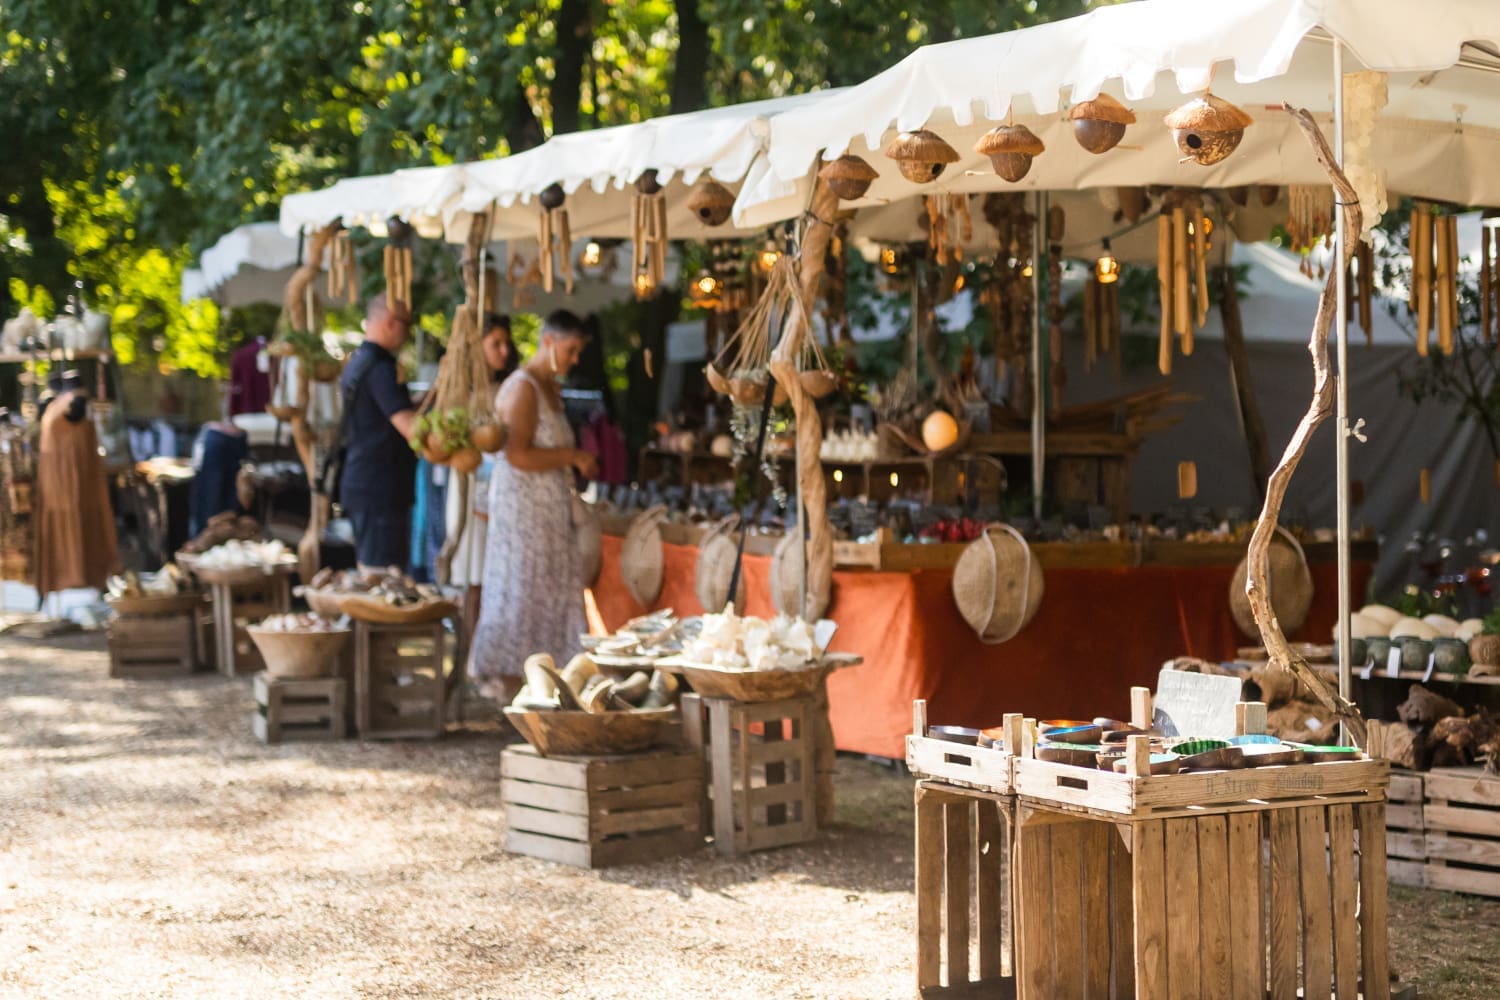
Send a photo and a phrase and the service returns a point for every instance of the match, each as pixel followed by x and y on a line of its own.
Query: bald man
pixel 378 484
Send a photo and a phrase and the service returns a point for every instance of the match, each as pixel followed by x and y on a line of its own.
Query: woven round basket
pixel 715 569
pixel 641 564
pixel 1291 587
pixel 997 584
pixel 298 654
pixel 588 539
pixel 786 582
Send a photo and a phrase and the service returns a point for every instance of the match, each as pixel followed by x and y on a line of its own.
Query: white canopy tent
pixel 1435 139
pixel 421 196
pixel 247 265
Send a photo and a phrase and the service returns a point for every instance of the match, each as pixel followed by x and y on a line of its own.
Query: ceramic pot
pixel 1414 652
pixel 1451 656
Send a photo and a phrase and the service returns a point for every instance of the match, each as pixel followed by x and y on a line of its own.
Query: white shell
pixel 1362 626
pixel 1381 614
pixel 1446 626
pixel 1413 627
pixel 1468 629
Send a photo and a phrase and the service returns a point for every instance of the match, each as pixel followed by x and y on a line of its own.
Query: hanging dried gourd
pixel 1207 128
pixel 554 239
pixel 1011 148
pixel 849 176
pixel 1099 125
pixel 921 156
pixel 648 234
pixel 343 278
pixel 1182 272
pixel 398 264
pixel 711 202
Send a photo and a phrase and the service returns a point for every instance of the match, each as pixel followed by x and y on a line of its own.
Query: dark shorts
pixel 381 537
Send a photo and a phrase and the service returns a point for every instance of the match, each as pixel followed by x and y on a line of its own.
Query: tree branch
pixel 1257 586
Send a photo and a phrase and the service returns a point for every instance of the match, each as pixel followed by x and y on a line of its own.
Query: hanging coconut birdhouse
pixel 1207 128
pixel 711 202
pixel 552 196
pixel 1099 125
pixel 849 176
pixel 1011 149
pixel 921 156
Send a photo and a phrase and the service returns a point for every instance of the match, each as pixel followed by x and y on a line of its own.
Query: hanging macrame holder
pixel 992 592
pixel 1295 617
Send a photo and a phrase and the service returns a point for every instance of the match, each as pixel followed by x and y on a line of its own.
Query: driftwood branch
pixel 1257 587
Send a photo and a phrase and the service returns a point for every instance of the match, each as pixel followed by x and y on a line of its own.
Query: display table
pixel 1100 630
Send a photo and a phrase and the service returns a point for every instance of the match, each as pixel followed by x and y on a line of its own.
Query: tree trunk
pixel 575 36
pixel 1251 424
pixel 692 58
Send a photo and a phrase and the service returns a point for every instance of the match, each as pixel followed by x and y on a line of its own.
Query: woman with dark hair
pixel 499 348
pixel 533 586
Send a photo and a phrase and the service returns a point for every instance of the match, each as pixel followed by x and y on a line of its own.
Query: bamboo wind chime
pixel 554 240
pixel 648 236
pixel 1309 220
pixel 1360 289
pixel 1056 229
pixel 1489 280
pixel 1181 272
pixel 343 277
pixel 949 227
pixel 1101 320
pixel 1433 295
pixel 398 265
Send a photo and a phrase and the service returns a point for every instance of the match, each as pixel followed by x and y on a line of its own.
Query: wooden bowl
pixel 327 603
pixel 563 734
pixel 369 609
pixel 1064 753
pixel 1069 731
pixel 1161 763
pixel 754 685
pixel 1324 755
pixel 298 654
pixel 156 604
pixel 1269 755
pixel 234 575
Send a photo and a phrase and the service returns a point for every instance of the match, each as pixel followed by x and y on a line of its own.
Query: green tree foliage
pixel 199 115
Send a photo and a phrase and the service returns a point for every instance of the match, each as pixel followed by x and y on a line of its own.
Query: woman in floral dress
pixel 533 587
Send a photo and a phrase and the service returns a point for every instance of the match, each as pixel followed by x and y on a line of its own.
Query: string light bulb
pixel 644 286
pixel 1107 268
pixel 706 290
pixel 890 263
pixel 767 258
pixel 1027 271
pixel 592 256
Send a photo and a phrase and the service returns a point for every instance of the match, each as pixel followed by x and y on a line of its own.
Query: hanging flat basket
pixel 715 568
pixel 786 582
pixel 1290 583
pixel 998 584
pixel 588 537
pixel 641 559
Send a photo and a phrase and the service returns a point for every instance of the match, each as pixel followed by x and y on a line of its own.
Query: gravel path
pixel 150 848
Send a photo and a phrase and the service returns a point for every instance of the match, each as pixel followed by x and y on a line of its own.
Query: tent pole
pixel 1038 383
pixel 1341 334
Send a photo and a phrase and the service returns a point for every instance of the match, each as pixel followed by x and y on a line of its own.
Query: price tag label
pixel 1368 670
pixel 1431 665
pixel 1393 662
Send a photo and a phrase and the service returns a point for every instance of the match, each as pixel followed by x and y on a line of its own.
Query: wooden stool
pixel 593 812
pixel 759 758
pixel 152 646
pixel 398 680
pixel 238 604
pixel 298 708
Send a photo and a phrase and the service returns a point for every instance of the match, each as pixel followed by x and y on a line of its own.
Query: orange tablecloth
pixel 1098 632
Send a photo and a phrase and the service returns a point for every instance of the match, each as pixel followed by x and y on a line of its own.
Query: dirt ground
pixel 150 848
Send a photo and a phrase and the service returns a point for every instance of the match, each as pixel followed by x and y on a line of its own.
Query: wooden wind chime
pixel 1489 279
pixel 1101 318
pixel 554 240
pixel 648 236
pixel 1433 295
pixel 1009 296
pixel 398 264
pixel 1058 376
pixel 949 227
pixel 1182 232
pixel 1360 288
pixel 343 276
pixel 1309 220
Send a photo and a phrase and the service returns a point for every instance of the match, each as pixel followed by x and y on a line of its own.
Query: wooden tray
pixel 586 733
pixel 232 575
pixel 757 685
pixel 156 604
pixel 368 609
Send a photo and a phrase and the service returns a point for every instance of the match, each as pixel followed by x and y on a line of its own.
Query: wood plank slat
pixel 991 913
pixel 1341 854
pixel 1213 879
pixel 726 839
pixel 681 816
pixel 1033 873
pixel 1121 913
pixel 929 886
pixel 1149 915
pixel 1095 923
pixel 527 819
pixel 1184 921
pixel 1245 900
pixel 1067 908
pixel 958 849
pixel 1317 905
pixel 1285 879
pixel 1373 941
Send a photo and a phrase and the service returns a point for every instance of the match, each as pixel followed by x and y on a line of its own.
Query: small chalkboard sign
pixel 1191 704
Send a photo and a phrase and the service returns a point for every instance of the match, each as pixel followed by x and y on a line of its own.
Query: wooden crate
pixel 298 708
pixel 1461 821
pixel 152 646
pixel 984 768
pixel 398 680
pixel 236 605
pixel 594 812
pixel 965 939
pixel 760 763
pixel 1405 837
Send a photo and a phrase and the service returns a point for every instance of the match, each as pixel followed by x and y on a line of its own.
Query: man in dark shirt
pixel 378 484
